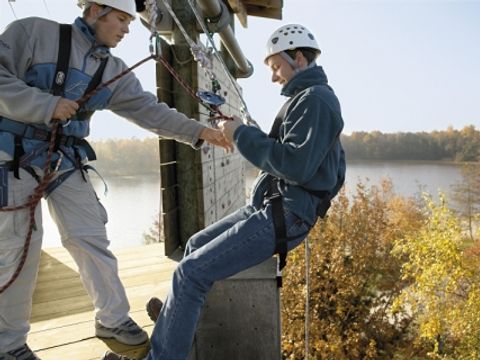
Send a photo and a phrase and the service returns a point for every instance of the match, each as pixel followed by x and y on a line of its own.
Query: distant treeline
pixel 130 157
pixel 127 157
pixel 450 145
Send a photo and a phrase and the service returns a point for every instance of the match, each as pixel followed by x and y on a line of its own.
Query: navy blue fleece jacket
pixel 308 154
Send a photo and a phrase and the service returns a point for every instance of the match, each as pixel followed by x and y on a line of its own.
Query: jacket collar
pixel 305 79
pixel 97 51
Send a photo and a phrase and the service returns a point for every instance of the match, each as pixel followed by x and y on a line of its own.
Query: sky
pixel 396 66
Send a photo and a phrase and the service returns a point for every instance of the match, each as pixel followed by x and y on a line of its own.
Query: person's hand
pixel 65 109
pixel 228 127
pixel 216 137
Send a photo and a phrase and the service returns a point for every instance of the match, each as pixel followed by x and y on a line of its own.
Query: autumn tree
pixel 354 279
pixel 444 292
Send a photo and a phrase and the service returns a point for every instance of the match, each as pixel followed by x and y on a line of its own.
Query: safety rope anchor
pixel 210 98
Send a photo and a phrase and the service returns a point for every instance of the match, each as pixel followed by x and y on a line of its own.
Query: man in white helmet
pixel 302 168
pixel 44 69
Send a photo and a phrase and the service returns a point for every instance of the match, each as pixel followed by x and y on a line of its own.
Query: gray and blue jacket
pixel 308 154
pixel 28 57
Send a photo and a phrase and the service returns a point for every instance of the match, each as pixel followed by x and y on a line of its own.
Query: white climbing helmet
pixel 127 6
pixel 289 37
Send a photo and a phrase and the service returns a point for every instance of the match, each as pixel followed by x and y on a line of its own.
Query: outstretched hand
pixel 217 138
pixel 228 127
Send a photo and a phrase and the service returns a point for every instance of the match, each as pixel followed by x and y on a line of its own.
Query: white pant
pixel 81 222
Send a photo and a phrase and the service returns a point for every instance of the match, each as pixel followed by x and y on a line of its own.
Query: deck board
pixel 62 324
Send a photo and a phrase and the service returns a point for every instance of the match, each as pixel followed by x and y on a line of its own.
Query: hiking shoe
pixel 154 306
pixel 21 353
pixel 112 356
pixel 128 333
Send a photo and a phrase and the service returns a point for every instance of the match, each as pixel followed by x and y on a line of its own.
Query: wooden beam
pixel 270 13
pixel 239 9
pixel 278 4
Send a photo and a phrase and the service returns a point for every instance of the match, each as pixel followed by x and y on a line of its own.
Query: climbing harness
pixel 274 197
pixel 210 100
pixel 55 139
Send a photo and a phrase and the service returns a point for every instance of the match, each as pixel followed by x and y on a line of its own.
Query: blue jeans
pixel 235 243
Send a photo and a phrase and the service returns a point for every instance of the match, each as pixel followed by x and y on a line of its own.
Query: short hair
pixel 309 53
pixel 86 8
pixel 88 5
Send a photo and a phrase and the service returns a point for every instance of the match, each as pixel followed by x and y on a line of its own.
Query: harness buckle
pixel 39 134
pixel 274 196
pixel 4 168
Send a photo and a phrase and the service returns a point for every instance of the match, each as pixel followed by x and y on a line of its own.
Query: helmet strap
pixel 104 12
pixel 290 61
pixel 293 63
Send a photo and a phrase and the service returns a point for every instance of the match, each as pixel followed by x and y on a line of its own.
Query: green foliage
pixel 452 145
pixel 444 292
pixel 354 279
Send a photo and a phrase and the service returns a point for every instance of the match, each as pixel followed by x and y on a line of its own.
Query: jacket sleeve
pixel 130 101
pixel 18 100
pixel 310 129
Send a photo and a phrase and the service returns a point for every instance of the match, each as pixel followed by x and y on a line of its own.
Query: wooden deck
pixel 62 317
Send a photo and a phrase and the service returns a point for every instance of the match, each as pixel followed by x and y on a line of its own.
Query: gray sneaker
pixel 112 356
pixel 128 333
pixel 21 353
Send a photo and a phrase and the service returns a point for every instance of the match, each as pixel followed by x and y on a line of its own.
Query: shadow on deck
pixel 62 317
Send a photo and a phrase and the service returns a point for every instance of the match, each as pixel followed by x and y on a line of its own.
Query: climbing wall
pixel 223 173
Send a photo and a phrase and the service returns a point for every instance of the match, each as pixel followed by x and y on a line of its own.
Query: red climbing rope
pixel 49 174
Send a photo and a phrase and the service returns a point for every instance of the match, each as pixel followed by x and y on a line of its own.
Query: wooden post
pixel 168 171
pixel 189 171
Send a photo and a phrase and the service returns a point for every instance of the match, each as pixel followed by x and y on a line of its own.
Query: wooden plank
pixel 68 269
pixel 73 288
pixel 125 253
pixel 71 332
pixel 90 349
pixel 138 295
pixel 62 321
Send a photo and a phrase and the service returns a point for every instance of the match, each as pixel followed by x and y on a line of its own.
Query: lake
pixel 133 203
